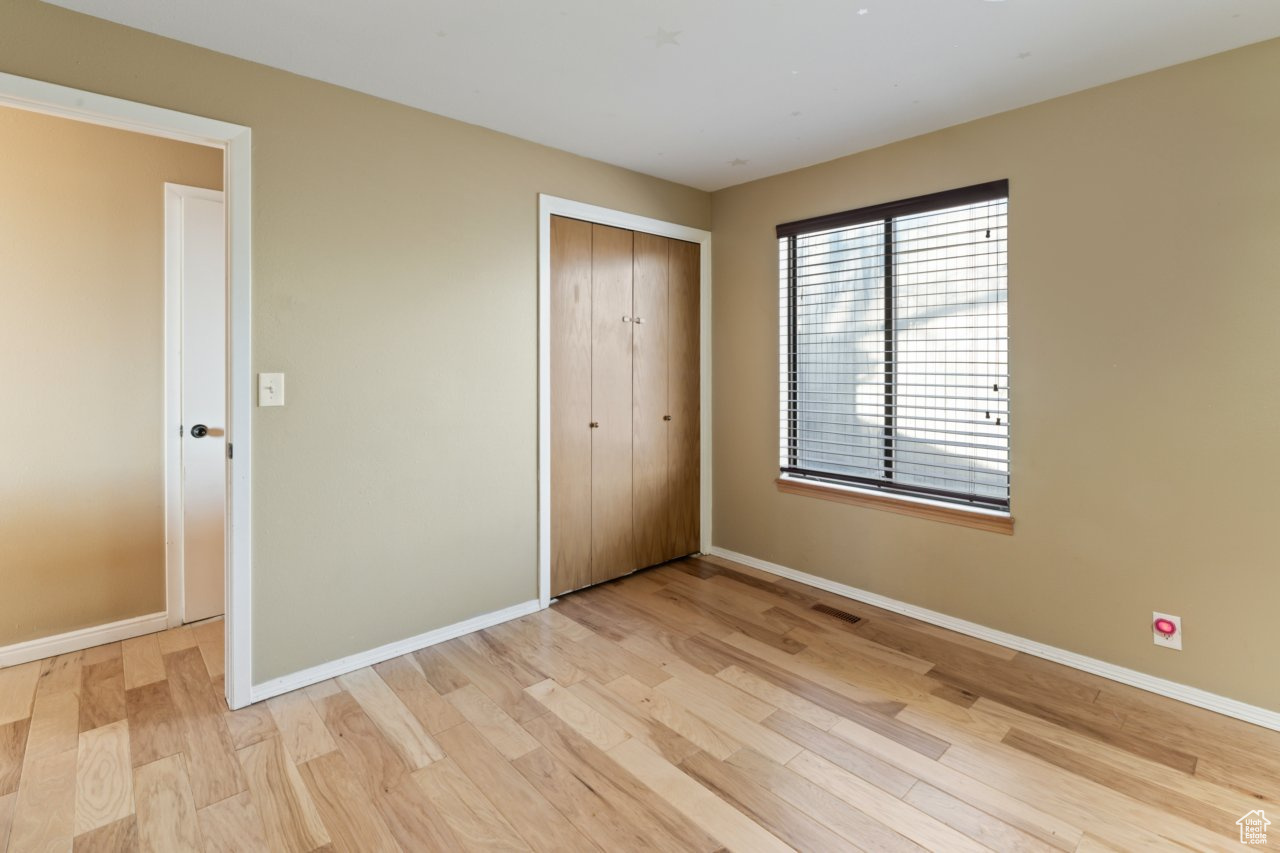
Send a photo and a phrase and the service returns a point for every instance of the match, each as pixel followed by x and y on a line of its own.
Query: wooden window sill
pixel 977 519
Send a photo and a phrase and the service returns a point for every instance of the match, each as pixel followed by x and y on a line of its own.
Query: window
pixel 894 341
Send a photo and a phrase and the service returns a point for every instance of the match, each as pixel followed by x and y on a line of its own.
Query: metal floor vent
pixel 839 614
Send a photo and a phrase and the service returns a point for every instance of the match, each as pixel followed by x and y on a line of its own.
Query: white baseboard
pixel 1172 689
pixel 85 638
pixel 350 663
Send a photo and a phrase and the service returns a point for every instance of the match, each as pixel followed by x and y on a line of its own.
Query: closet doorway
pixel 622 396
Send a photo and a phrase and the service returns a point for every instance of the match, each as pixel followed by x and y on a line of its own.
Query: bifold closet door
pixel 684 434
pixel 625 432
pixel 613 551
pixel 652 491
pixel 570 404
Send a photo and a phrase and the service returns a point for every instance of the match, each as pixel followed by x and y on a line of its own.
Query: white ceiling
pixel 709 93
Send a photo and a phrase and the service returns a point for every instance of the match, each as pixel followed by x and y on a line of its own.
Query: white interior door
pixel 196 242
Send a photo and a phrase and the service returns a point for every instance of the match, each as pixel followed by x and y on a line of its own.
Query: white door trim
pixel 549 206
pixel 234 140
pixel 175 576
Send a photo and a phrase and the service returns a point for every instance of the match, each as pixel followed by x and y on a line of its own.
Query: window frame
pixel 884 488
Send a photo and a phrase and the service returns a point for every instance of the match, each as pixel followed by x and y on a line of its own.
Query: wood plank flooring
pixel 699 706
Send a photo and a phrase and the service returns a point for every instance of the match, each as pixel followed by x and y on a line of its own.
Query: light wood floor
pixel 697 706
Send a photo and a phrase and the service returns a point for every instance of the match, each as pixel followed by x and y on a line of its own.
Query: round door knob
pixel 199 431
pixel 595 425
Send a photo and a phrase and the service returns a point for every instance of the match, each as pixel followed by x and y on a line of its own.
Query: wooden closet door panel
pixel 651 477
pixel 613 550
pixel 570 404
pixel 684 444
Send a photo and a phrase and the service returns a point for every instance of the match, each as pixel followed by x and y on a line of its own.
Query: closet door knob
pixel 595 425
pixel 666 417
pixel 626 319
pixel 639 320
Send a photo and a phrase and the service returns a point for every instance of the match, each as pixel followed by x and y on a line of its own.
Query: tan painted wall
pixel 82 369
pixel 1143 253
pixel 395 283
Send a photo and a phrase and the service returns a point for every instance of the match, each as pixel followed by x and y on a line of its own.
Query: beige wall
pixel 1143 256
pixel 395 283
pixel 82 369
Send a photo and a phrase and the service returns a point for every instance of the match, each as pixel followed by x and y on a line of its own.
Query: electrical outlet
pixel 1161 623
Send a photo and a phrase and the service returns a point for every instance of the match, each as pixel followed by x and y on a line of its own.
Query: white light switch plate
pixel 270 389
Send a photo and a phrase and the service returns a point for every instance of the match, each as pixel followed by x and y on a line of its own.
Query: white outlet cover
pixel 270 389
pixel 1171 642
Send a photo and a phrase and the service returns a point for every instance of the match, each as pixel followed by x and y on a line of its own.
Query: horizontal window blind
pixel 894 343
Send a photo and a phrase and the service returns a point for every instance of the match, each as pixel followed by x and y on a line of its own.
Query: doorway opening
pixel 231 403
